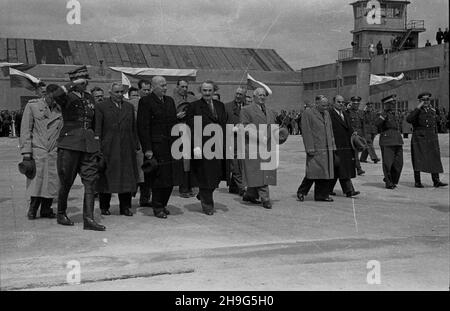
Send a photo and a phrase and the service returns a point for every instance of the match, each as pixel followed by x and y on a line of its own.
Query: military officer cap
pixel 355 99
pixel 424 94
pixel 389 99
pixel 41 83
pixel 79 73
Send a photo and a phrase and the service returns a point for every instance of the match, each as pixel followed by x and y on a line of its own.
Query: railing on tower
pixel 352 53
pixel 416 24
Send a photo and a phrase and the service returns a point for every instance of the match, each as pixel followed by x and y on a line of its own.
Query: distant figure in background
pixel 391 142
pixel 370 131
pixel 445 36
pixel 133 94
pixel 357 123
pixel 41 125
pixel 98 94
pixel 425 151
pixel 248 100
pixel 216 96
pixel 371 50
pixel 406 127
pixel 428 43
pixel 144 87
pixel 379 48
pixel 439 36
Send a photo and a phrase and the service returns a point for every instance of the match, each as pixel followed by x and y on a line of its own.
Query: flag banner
pixel 127 84
pixel 22 79
pixel 252 83
pixel 380 84
pixel 4 66
pixel 148 73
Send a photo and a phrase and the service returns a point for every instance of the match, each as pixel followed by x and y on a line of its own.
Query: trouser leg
pixel 185 187
pixel 124 201
pixel 417 178
pixel 206 198
pixel 387 156
pixel 346 185
pixel 321 189
pixel 46 208
pixel 435 178
pixel 263 193
pixel 397 164
pixel 236 176
pixel 144 189
pixel 166 195
pixel 357 163
pixel 372 153
pixel 305 186
pixel 332 184
pixel 34 206
pixel 158 200
pixel 67 165
pixel 105 200
pixel 252 193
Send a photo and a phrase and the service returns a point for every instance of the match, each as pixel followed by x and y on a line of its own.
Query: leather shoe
pixel 440 184
pixel 91 224
pixel 418 185
pixel 126 212
pixel 376 161
pixel 361 172
pixel 186 195
pixel 161 215
pixel 300 197
pixel 166 211
pixel 105 212
pixel 31 214
pixel 332 193
pixel 62 219
pixel 390 186
pixel 49 214
pixel 352 194
pixel 251 200
pixel 209 213
pixel 325 200
pixel 267 204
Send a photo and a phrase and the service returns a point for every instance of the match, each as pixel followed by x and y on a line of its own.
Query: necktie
pixel 263 108
pixel 342 116
pixel 213 111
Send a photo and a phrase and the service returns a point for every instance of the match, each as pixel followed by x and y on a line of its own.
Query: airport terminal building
pixel 425 68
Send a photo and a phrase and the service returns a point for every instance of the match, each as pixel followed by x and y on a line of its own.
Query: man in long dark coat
pixel 157 115
pixel 391 142
pixel 116 128
pixel 207 172
pixel 425 153
pixel 344 156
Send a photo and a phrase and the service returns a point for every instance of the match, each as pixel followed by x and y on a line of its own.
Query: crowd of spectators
pixel 8 120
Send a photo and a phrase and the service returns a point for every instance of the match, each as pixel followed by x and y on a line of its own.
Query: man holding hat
pixel 357 123
pixel 391 142
pixel 78 150
pixel 425 151
pixel 40 127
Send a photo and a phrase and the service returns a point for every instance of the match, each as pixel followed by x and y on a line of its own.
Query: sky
pixel 303 32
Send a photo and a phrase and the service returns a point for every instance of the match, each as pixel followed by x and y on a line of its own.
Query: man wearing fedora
pixel 391 142
pixel 78 149
pixel 425 152
pixel 344 156
pixel 40 127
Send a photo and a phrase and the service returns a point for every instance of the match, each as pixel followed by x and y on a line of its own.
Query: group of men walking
pixel 118 146
pixel 330 133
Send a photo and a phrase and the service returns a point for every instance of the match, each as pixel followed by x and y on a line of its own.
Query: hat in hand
pixel 358 143
pixel 282 134
pixel 149 165
pixel 28 168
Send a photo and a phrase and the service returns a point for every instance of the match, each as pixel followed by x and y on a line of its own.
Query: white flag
pixel 126 82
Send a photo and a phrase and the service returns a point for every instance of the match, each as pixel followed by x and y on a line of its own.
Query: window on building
pixel 349 80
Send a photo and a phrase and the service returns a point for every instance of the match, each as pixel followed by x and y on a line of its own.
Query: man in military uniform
pixel 425 153
pixel 370 130
pixel 78 149
pixel 391 142
pixel 357 123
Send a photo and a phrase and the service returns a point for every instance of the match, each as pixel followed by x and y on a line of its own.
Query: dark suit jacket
pixel 207 173
pixel 344 154
pixel 78 116
pixel 389 129
pixel 155 119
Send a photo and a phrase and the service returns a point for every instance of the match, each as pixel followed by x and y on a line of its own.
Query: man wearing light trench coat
pixel 41 123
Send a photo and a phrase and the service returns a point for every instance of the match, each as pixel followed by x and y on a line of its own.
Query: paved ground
pixel 295 246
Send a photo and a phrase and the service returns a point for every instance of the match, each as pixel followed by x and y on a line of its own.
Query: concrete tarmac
pixel 380 240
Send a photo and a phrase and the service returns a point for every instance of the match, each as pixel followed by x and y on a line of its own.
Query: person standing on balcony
pixel 445 35
pixel 379 48
pixel 439 36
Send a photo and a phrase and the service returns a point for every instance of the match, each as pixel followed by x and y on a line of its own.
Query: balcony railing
pixel 416 24
pixel 352 53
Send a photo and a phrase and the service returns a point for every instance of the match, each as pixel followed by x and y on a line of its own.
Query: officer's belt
pixel 73 125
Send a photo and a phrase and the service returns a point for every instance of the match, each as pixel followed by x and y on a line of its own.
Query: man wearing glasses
pixel 425 151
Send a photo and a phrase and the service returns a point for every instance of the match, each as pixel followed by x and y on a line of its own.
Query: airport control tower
pixel 385 21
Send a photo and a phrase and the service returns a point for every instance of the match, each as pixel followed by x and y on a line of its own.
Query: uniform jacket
pixel 252 174
pixel 344 162
pixel 40 129
pixel 357 121
pixel 207 173
pixel 318 138
pixel 155 121
pixel 425 151
pixel 369 118
pixel 116 129
pixel 78 115
pixel 389 129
